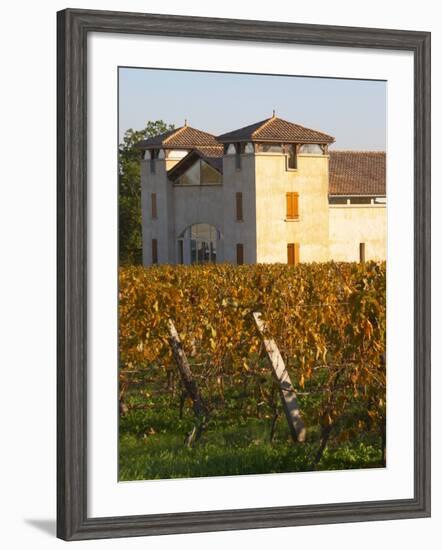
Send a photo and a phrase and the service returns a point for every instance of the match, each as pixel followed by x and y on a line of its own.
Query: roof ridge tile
pixel 263 125
pixel 175 133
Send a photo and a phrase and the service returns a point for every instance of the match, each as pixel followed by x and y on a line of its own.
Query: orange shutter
pixel 296 254
pixel 289 212
pixel 295 202
pixel 292 206
pixel 291 254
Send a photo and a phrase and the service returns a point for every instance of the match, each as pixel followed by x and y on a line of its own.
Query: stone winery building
pixel 268 192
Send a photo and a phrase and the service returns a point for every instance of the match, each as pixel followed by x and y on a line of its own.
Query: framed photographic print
pixel 243 274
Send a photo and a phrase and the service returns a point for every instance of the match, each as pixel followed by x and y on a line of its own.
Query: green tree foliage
pixel 129 216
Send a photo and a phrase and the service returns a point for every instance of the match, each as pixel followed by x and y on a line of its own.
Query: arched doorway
pixel 198 244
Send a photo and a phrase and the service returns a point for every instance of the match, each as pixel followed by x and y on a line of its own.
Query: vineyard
pixel 328 321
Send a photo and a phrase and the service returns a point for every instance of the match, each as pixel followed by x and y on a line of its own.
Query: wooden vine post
pixel 189 384
pixel 286 390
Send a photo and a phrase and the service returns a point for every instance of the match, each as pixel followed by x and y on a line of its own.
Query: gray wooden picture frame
pixel 73 28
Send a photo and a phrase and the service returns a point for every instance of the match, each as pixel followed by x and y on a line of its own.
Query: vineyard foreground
pixel 328 321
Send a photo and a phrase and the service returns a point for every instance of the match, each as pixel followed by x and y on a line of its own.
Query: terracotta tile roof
pixel 184 137
pixel 357 173
pixel 276 129
pixel 213 152
pixel 155 141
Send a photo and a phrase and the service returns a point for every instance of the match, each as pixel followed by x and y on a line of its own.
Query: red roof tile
pixel 184 137
pixel 276 129
pixel 357 173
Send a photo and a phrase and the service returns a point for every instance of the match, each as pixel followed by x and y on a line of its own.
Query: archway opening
pixel 198 244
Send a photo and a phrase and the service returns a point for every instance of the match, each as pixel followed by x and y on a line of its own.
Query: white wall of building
pixel 239 232
pixel 274 231
pixel 323 231
pixel 353 224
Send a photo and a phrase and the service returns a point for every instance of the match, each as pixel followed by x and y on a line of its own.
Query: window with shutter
pixel 154 206
pixel 292 206
pixel 239 209
pixel 154 251
pixel 293 253
pixel 297 260
pixel 239 254
pixel 181 251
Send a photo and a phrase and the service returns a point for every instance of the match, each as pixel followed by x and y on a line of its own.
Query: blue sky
pixel 353 111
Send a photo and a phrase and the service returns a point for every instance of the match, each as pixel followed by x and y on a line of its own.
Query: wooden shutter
pixel 292 206
pixel 239 209
pixel 362 252
pixel 180 251
pixel 296 258
pixel 239 254
pixel 295 207
pixel 154 206
pixel 154 251
pixel 288 210
pixel 293 253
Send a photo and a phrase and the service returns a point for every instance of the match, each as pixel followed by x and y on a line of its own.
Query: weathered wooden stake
pixel 286 391
pixel 189 383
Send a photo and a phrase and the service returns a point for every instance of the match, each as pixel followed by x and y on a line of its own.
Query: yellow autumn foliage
pixel 328 320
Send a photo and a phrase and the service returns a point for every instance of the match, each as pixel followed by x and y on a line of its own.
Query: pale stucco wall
pixel 178 207
pixel 239 232
pixel 323 231
pixel 155 229
pixel 274 231
pixel 198 204
pixel 354 224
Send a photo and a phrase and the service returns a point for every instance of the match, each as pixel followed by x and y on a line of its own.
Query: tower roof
pixel 184 137
pixel 275 129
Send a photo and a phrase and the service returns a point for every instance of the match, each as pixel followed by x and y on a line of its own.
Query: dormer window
pixel 147 155
pixel 231 149
pixel 249 148
pixel 161 154
pixel 208 174
pixel 201 173
pixel 311 149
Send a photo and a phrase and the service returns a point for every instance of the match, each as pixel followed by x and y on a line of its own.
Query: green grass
pixel 152 445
